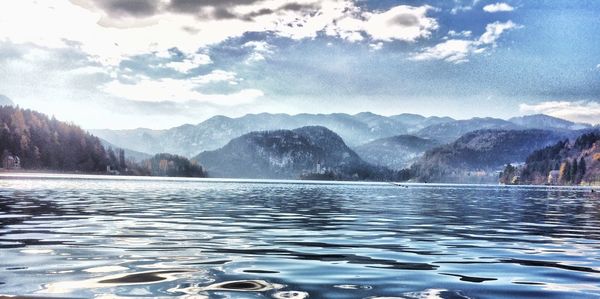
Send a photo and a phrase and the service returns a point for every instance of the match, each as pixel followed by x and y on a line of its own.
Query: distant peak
pixel 217 118
pixel 366 113
pixel 410 115
pixel 6 101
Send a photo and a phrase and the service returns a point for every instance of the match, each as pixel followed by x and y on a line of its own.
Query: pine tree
pixel 573 174
pixel 122 164
pixel 112 159
pixel 582 169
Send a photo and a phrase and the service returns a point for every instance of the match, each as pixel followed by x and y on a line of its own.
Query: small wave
pixel 243 286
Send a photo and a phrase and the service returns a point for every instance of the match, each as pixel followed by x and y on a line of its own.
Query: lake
pixel 112 237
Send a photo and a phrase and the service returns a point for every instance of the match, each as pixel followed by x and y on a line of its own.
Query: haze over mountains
pixel 5 101
pixel 190 140
pixel 394 148
pixel 360 146
pixel 396 152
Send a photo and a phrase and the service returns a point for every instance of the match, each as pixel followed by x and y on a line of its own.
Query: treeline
pixel 168 165
pixel 48 144
pixel 564 163
pixel 367 172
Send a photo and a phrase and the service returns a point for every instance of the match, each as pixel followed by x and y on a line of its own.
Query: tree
pixel 112 158
pixel 565 172
pixel 574 173
pixel 122 164
pixel 506 177
pixel 582 169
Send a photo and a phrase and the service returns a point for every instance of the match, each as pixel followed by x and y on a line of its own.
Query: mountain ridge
pixel 288 154
pixel 189 140
pixel 477 155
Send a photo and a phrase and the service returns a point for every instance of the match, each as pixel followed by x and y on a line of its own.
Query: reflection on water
pixel 107 237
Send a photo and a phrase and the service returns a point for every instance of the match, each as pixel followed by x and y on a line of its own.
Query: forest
pixel 47 144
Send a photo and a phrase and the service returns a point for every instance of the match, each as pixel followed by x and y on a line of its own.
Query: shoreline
pixel 24 174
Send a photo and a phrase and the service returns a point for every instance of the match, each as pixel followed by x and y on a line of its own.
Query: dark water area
pixel 111 237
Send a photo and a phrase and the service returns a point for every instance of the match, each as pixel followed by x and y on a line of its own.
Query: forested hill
pixel 483 151
pixel 564 163
pixel 307 152
pixel 45 143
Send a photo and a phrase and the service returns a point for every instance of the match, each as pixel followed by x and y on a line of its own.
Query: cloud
pixel 498 7
pixel 578 111
pixel 454 50
pixel 461 6
pixel 405 23
pixel 111 31
pixel 465 33
pixel 260 50
pixel 216 76
pixel 494 30
pixel 190 62
pixel 130 7
pixel 181 90
pixel 376 46
pixel 402 23
pixel 458 50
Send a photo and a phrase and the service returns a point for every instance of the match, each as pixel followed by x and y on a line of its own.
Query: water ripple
pixel 129 237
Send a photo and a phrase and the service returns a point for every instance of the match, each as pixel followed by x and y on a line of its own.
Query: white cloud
pixel 60 24
pixel 191 62
pixel 578 111
pixel 460 7
pixel 111 37
pixel 405 23
pixel 459 50
pixel 216 76
pixel 260 50
pixel 376 46
pixel 181 91
pixel 402 23
pixel 494 30
pixel 307 24
pixel 598 66
pixel 465 33
pixel 498 7
pixel 454 50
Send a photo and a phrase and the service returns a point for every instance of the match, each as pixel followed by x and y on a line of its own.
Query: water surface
pixel 111 237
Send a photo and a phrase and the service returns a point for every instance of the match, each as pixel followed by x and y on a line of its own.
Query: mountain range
pixel 400 147
pixel 189 140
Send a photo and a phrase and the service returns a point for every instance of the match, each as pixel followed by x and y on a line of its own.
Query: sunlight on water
pixel 114 237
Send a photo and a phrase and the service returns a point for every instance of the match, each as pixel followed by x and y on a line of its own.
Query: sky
pixel 124 64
